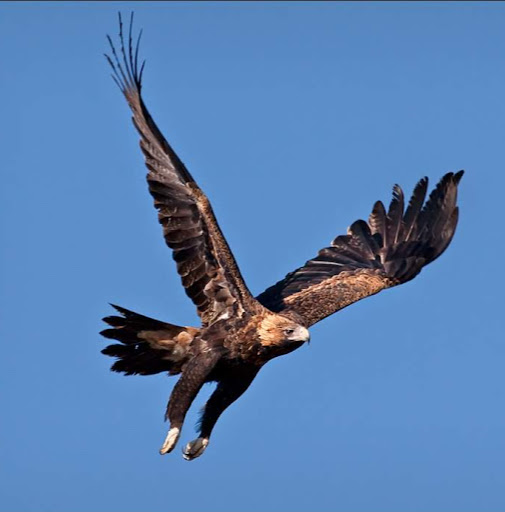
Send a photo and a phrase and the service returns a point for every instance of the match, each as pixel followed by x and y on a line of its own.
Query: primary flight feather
pixel 240 333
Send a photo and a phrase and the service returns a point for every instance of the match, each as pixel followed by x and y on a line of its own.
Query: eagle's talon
pixel 170 441
pixel 195 448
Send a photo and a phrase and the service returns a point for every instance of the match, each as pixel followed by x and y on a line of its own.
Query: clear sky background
pixel 294 118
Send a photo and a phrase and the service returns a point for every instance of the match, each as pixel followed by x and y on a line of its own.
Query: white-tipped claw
pixel 195 448
pixel 170 441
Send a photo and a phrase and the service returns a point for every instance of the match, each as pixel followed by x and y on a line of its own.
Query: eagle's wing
pixel 390 249
pixel 205 263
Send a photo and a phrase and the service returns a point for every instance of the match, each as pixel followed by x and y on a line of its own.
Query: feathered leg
pixel 228 390
pixel 193 377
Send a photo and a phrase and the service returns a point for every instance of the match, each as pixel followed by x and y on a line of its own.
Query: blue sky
pixel 294 118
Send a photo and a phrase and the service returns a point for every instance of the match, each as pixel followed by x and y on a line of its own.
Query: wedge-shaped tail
pixel 147 346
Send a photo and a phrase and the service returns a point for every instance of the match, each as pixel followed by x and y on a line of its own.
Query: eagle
pixel 240 333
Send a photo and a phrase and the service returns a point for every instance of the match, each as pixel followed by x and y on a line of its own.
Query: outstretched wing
pixel 390 249
pixel 205 263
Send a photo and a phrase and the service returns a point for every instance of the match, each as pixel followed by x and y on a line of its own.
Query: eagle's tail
pixel 147 346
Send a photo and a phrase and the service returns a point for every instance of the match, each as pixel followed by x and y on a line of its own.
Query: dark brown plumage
pixel 240 333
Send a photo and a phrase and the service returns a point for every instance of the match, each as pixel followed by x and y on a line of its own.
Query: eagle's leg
pixel 189 384
pixel 228 390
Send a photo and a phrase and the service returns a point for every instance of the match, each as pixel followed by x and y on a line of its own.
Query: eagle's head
pixel 279 331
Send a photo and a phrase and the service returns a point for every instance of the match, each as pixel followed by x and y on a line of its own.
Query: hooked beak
pixel 304 334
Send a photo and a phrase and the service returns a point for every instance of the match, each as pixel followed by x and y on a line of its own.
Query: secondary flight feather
pixel 240 333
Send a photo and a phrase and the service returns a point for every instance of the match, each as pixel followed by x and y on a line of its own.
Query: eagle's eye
pixel 289 331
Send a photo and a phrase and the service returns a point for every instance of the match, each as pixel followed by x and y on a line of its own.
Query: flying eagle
pixel 239 333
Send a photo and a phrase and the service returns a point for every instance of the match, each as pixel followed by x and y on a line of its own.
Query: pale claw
pixel 195 448
pixel 170 441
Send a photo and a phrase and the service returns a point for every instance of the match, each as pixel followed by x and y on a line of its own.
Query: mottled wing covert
pixel 390 249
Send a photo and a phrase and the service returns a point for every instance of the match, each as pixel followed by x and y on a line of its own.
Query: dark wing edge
pixel 389 250
pixel 204 260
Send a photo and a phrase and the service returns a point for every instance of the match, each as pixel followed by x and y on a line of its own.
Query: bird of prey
pixel 239 333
